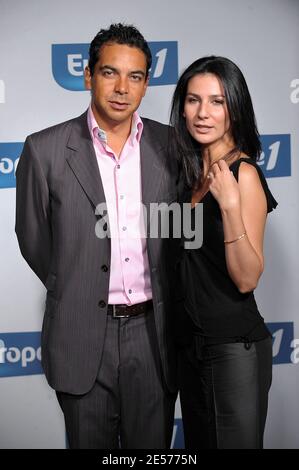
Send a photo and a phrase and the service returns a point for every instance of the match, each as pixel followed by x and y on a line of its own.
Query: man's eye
pixel 191 100
pixel 136 78
pixel 107 73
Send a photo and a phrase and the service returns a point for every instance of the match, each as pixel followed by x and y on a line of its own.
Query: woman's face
pixel 205 110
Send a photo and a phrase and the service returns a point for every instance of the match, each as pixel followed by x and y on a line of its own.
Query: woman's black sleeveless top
pixel 208 303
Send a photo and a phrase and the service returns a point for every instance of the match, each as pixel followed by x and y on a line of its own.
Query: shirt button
pixel 102 304
pixel 118 167
pixel 127 259
pixel 124 229
pixel 121 197
pixel 104 268
pixel 130 291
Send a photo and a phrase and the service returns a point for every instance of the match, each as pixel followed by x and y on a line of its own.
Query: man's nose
pixel 122 85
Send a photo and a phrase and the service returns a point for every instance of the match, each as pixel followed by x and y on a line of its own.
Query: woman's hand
pixel 224 186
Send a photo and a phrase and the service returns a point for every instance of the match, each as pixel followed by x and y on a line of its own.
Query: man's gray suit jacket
pixel 58 188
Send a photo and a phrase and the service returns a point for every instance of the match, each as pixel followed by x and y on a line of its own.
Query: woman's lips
pixel 203 129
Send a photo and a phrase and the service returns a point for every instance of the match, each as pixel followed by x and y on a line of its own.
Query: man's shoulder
pixel 155 125
pixel 57 130
pixel 157 130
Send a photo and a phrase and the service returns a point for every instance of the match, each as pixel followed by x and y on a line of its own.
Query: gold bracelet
pixel 236 239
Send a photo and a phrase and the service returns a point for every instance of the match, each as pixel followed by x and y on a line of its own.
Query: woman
pixel 225 349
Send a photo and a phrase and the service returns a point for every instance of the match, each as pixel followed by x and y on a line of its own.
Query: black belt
pixel 127 311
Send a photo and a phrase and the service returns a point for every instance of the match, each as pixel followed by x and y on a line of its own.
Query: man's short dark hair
pixel 118 34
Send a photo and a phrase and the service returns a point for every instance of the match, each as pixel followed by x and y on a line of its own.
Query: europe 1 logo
pixel 9 158
pixel 275 159
pixel 20 354
pixel 285 346
pixel 70 60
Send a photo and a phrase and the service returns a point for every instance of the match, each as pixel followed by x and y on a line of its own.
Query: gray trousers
pixel 128 406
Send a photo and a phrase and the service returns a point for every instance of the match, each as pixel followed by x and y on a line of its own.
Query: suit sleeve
pixel 33 227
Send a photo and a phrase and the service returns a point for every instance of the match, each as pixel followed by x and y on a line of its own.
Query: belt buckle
pixel 115 315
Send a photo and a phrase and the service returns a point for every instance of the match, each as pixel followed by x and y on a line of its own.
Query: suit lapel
pixel 152 166
pixel 82 159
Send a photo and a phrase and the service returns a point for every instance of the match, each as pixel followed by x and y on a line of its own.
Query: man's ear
pixel 146 85
pixel 87 78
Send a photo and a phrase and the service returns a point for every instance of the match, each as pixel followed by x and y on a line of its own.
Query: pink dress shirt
pixel 129 267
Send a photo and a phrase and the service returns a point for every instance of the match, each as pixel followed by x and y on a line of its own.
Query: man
pixel 106 345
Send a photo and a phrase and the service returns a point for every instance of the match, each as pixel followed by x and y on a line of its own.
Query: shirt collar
pixel 97 132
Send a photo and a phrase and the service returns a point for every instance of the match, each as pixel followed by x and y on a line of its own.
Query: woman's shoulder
pixel 247 172
pixel 249 169
pixel 246 166
pixel 243 158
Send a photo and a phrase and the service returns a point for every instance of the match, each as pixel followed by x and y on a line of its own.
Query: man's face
pixel 117 85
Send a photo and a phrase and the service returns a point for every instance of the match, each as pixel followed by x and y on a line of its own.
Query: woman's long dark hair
pixel 241 114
